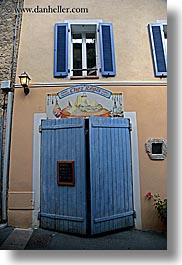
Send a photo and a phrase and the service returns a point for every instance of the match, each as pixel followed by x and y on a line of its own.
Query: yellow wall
pixel 129 18
pixel 133 63
pixel 150 105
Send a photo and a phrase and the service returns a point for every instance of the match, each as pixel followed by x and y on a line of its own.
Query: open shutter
pixel 108 66
pixel 61 50
pixel 157 46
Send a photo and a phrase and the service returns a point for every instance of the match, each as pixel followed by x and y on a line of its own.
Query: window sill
pixel 84 77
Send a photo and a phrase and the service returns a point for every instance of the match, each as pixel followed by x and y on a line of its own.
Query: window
pixel 156 148
pixel 84 50
pixel 158 40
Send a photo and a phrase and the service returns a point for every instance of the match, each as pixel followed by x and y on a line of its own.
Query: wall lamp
pixel 24 81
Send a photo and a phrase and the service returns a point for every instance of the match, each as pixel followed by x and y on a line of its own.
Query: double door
pixel 86 178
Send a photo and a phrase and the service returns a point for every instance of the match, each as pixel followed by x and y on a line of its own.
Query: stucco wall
pixel 149 103
pixel 133 63
pixel 129 18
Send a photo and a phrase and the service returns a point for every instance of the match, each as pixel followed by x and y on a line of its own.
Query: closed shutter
pixel 108 67
pixel 157 46
pixel 61 50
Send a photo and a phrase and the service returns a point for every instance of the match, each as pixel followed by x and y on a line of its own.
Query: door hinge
pixel 40 129
pixel 130 126
pixel 134 214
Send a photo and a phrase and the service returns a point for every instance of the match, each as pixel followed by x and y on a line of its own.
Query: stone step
pixel 18 239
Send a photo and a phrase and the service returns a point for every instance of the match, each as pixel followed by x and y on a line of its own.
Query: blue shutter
pixel 157 46
pixel 61 50
pixel 108 66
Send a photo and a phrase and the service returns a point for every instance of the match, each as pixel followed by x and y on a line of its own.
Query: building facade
pixel 87 59
pixel 10 24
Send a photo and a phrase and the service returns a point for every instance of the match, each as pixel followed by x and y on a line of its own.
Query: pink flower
pixel 148 195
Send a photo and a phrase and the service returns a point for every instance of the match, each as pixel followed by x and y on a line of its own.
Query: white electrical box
pixel 6 85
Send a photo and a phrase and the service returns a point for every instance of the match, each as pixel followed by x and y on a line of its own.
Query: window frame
pixel 148 148
pixel 70 46
pixel 84 51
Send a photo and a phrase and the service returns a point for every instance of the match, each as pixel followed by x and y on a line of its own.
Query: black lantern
pixel 24 81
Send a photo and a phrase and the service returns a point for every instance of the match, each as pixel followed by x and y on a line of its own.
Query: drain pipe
pixel 7 156
pixel 5 179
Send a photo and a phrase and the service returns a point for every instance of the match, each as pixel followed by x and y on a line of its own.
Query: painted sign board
pixel 84 101
pixel 65 173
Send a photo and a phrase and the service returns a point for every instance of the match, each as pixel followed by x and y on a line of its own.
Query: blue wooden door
pixel 110 174
pixel 63 207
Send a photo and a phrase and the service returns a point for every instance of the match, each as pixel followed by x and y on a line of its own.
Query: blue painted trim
pixel 62 217
pixel 56 72
pixel 112 217
pixel 103 71
pixel 153 48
